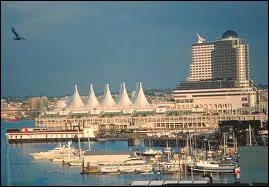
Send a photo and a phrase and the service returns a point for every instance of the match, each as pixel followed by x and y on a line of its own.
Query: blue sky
pixel 112 42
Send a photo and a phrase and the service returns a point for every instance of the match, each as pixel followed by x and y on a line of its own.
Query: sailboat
pixel 77 161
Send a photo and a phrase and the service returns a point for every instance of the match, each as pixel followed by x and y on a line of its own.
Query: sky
pixel 96 43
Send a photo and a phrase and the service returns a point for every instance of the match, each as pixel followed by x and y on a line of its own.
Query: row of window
pixel 50 136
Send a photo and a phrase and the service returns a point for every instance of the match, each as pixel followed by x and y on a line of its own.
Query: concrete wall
pixel 253 164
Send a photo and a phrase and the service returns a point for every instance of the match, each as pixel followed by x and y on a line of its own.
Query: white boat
pixel 132 165
pixel 56 152
pixel 151 152
pixel 167 167
pixel 57 160
pixel 211 166
pixel 76 162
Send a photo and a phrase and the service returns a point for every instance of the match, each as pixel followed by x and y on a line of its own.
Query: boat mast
pixel 249 131
pixel 224 143
pixel 79 144
pixel 89 144
pixel 8 164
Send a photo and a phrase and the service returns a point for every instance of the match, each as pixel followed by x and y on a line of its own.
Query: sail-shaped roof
pixel 108 101
pixel 75 101
pixel 124 100
pixel 140 98
pixel 92 101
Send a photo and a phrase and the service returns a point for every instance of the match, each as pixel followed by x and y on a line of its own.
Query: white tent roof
pixel 108 101
pixel 140 98
pixel 75 101
pixel 92 101
pixel 124 100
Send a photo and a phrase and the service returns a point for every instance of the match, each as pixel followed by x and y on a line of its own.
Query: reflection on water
pixel 24 170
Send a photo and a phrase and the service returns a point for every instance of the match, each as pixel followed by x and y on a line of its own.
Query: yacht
pixel 150 152
pixel 77 162
pixel 55 153
pixel 212 166
pixel 132 165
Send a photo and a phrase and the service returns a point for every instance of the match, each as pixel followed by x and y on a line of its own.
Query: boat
pixel 149 152
pixel 78 162
pixel 132 165
pixel 58 152
pixel 212 166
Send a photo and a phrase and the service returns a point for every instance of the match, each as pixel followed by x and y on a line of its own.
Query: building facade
pixel 38 103
pixel 231 60
pixel 201 67
pixel 219 76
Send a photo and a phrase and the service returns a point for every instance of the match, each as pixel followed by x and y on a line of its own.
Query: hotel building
pixel 219 76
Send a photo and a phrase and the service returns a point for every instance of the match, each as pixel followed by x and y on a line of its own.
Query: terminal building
pixel 219 76
pixel 217 87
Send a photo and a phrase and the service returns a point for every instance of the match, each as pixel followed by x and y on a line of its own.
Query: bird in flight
pixel 17 36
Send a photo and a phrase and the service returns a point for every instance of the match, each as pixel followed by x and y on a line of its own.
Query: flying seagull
pixel 17 36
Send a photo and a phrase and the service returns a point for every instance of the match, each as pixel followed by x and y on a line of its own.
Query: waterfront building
pixel 219 77
pixel 201 67
pixel 231 60
pixel 208 97
pixel 183 122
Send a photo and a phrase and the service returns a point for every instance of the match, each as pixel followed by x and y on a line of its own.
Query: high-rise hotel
pixel 219 76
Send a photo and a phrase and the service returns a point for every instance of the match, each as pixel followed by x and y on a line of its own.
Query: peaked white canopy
pixel 108 101
pixel 140 98
pixel 124 100
pixel 92 101
pixel 75 102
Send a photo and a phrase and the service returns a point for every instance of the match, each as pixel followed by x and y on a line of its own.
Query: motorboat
pixel 132 165
pixel 150 152
pixel 212 166
pixel 78 162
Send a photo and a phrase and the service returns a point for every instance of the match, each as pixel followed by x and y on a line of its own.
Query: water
pixel 18 167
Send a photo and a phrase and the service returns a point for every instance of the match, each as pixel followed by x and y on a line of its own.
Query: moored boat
pixel 212 166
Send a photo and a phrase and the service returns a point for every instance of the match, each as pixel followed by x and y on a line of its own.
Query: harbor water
pixel 19 168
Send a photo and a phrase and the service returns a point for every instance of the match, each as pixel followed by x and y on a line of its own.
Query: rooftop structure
pixel 108 101
pixel 75 102
pixel 140 98
pixel 92 101
pixel 124 100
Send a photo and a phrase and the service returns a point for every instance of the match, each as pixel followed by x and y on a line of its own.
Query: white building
pixel 201 67
pixel 219 76
pixel 223 100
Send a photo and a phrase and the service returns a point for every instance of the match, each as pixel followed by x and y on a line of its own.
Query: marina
pixel 106 149
pixel 137 96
